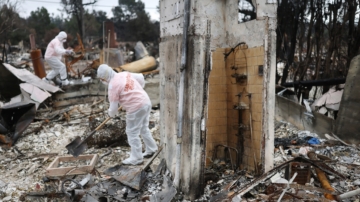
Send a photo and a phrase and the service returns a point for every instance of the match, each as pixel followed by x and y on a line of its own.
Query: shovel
pixel 132 176
pixel 78 146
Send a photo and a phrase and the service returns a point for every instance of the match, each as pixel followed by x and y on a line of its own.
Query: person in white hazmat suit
pixel 54 51
pixel 126 89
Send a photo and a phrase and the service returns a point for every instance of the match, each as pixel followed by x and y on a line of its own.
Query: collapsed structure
pixel 218 79
pixel 217 91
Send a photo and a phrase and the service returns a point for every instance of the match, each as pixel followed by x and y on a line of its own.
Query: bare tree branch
pixel 76 8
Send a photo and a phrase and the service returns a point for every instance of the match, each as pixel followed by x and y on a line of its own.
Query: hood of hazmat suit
pixel 62 36
pixel 55 48
pixel 106 73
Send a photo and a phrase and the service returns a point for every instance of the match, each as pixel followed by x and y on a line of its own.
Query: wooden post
pixel 32 42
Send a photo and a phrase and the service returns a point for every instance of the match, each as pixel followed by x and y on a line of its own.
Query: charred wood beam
pixel 229 194
pixel 323 82
pixel 322 178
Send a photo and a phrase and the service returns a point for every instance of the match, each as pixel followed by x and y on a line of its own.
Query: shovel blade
pixel 76 147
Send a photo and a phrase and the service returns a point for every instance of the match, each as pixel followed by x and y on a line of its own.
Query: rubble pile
pixel 296 176
pixel 24 164
pixel 34 158
pixel 341 157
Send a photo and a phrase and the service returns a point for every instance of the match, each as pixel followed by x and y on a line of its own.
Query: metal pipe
pixel 36 58
pixel 32 42
pixel 38 63
pixel 181 93
pixel 322 82
pixel 229 148
pixel 77 193
pixel 240 137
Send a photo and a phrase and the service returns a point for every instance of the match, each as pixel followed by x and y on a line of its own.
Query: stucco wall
pixel 193 143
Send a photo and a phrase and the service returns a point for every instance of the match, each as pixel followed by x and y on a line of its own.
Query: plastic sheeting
pixel 331 99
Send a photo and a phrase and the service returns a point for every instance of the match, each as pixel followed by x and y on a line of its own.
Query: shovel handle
pixel 106 120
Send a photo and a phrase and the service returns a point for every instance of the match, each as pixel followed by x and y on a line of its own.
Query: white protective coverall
pixel 54 51
pixel 125 89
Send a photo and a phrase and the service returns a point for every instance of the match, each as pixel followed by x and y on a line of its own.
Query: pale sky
pixel 26 6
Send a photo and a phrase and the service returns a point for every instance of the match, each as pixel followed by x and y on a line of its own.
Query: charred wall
pixel 192 142
pixel 226 32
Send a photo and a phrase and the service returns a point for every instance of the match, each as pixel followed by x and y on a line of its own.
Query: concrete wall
pixel 193 143
pixel 348 122
pixel 225 33
pixel 293 113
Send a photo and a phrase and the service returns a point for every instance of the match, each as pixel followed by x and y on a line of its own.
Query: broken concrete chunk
pixel 357 182
pixel 347 159
pixel 8 198
pixel 275 178
pixel 236 199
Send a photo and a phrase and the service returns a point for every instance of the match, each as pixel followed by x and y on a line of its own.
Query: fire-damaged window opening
pixel 247 11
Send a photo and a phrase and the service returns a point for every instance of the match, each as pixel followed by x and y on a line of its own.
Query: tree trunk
pixel 290 54
pixel 82 20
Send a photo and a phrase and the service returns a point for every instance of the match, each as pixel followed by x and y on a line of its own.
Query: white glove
pixel 112 113
pixel 69 52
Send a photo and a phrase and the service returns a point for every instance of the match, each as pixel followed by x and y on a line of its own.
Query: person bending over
pixel 125 90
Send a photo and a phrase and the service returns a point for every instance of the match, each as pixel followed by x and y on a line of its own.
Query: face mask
pixel 104 82
pixel 64 40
